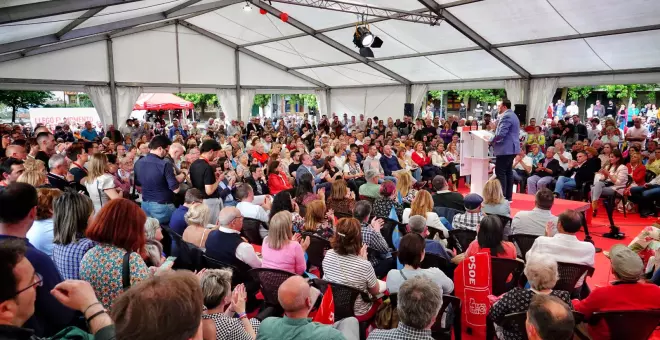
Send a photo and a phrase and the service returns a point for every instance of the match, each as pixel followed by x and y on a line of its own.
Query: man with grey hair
pixel 297 298
pixel 417 225
pixel 419 301
pixel 59 176
pixel 549 318
pixel 226 245
pixel 174 154
pixel 543 173
pixel 563 156
pixel 253 207
pixel 371 188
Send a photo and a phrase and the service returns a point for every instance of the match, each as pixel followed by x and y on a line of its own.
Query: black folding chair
pixel 629 325
pixel 460 239
pixel 388 228
pixel 506 274
pixel 251 229
pixel 524 242
pixel 270 281
pixel 344 299
pixel 316 250
pixel 516 321
pixel 435 261
pixel 570 274
pixel 439 332
pixel 188 256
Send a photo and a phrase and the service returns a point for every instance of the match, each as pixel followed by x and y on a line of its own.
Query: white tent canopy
pixel 212 45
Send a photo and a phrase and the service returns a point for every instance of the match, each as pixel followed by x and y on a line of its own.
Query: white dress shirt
pixel 565 248
pixel 566 155
pixel 432 221
pixel 244 252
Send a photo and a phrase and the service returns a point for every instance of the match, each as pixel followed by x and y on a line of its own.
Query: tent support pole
pixel 408 93
pixel 237 54
pixel 328 104
pixel 113 85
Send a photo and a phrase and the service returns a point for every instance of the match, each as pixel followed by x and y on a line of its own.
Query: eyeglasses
pixel 37 280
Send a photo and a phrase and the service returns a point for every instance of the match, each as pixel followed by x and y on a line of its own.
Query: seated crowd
pixel 172 238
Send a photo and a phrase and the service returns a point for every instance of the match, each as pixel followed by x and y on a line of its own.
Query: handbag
pixel 126 271
pixel 387 316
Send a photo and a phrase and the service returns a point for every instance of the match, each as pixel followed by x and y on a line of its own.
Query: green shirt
pixel 370 190
pixel 298 329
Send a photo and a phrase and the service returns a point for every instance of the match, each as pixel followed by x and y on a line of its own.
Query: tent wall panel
pixel 386 101
pixel 234 24
pixel 301 51
pixel 418 69
pixel 347 75
pixel 556 57
pixel 257 73
pixel 146 57
pixel 629 51
pixel 500 21
pixel 82 63
pixel 623 14
pixel 204 61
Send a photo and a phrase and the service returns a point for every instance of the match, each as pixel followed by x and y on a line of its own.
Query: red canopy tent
pixel 161 101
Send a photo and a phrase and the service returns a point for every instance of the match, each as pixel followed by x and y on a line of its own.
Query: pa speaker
pixel 521 111
pixel 408 109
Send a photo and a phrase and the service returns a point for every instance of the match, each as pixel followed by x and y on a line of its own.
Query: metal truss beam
pixel 50 8
pixel 175 9
pixel 109 27
pixel 367 10
pixel 330 42
pixel 90 13
pixel 476 38
pixel 251 53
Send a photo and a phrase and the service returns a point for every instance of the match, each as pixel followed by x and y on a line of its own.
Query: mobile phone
pixel 167 265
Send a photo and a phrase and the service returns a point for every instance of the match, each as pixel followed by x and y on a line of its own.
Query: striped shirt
pixel 350 270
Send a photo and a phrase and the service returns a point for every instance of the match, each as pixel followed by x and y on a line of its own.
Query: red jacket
pixel 639 175
pixel 421 161
pixel 261 157
pixel 278 182
pixel 622 296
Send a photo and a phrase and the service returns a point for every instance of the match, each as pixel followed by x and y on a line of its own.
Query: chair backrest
pixel 447 213
pixel 316 250
pixel 270 280
pixel 570 274
pixel 433 260
pixel 516 321
pixel 460 239
pixel 650 175
pixel 506 274
pixel 524 242
pixel 506 221
pixel 388 229
pixel 343 297
pixel 250 230
pixel 188 256
pixel 440 332
pixel 629 325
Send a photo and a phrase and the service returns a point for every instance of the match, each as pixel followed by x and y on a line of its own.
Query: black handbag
pixel 126 271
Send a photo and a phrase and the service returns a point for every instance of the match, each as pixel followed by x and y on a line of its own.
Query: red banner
pixel 472 283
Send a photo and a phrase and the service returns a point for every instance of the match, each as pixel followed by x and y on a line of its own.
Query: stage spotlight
pixel 363 39
pixel 247 7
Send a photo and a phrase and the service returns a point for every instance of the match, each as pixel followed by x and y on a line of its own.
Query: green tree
pixel 576 93
pixel 481 95
pixel 436 94
pixel 200 100
pixel 629 92
pixel 23 100
pixel 302 99
pixel 262 100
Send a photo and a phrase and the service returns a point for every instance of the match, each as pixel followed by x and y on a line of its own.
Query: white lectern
pixel 474 157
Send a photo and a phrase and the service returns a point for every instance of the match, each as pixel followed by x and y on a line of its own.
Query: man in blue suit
pixel 506 145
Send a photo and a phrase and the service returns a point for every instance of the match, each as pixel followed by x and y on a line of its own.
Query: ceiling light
pixel 364 39
pixel 247 7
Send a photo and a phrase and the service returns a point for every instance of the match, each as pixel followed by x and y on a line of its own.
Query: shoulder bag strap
pixel 403 276
pixel 99 191
pixel 126 271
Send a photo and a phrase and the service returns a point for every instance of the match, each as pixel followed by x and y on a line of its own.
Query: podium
pixel 475 157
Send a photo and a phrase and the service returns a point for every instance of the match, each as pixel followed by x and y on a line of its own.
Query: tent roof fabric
pixel 201 43
pixel 161 101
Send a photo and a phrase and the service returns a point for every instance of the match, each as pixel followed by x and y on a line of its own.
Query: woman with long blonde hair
pixel 317 220
pixel 404 182
pixel 422 205
pixel 100 184
pixel 494 201
pixel 33 178
pixel 282 249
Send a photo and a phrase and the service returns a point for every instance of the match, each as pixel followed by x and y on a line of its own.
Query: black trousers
pixel 504 173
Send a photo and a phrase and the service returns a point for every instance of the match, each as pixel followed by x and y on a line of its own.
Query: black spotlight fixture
pixel 365 40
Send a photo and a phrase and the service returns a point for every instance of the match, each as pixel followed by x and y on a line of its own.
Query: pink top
pixel 290 258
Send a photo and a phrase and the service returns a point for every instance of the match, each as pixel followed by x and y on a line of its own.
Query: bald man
pixel 548 317
pixel 297 298
pixel 16 151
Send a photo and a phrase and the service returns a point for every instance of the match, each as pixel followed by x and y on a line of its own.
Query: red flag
pixel 326 312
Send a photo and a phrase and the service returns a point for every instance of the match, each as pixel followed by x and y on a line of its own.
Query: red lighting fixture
pixel 262 11
pixel 284 17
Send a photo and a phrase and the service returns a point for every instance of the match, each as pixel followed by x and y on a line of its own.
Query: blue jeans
pixel 417 174
pixel 564 183
pixel 161 212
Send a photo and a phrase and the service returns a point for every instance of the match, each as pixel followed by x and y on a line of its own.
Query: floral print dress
pixel 102 268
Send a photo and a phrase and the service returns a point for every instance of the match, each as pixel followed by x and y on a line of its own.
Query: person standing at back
pixel 506 146
pixel 156 177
